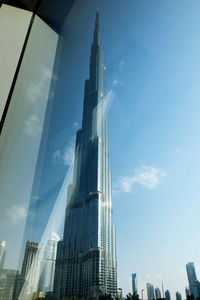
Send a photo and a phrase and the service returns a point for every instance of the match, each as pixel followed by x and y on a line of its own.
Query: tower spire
pixel 97 10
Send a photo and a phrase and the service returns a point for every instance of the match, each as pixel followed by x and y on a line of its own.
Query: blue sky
pixel 151 52
pixel 153 72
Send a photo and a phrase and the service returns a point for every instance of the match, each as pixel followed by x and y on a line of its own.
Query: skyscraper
pixel 47 265
pixel 30 267
pixel 187 292
pixel 86 261
pixel 134 284
pixel 167 295
pixel 2 253
pixel 158 293
pixel 178 296
pixel 192 279
pixel 150 291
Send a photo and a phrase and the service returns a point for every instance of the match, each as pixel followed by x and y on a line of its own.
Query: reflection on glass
pixel 54 156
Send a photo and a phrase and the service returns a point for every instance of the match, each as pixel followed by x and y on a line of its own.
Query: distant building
pixel 30 267
pixel 167 295
pixel 150 291
pixel 119 293
pixel 178 296
pixel 8 282
pixel 47 265
pixel 2 253
pixel 134 284
pixel 192 279
pixel 158 293
pixel 187 292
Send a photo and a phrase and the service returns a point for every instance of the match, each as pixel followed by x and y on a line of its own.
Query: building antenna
pixel 97 5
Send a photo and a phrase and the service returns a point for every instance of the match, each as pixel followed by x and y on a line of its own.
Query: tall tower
pixel 134 284
pixel 86 258
pixel 192 279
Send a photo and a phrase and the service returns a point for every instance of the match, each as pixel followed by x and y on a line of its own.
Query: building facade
pixel 86 259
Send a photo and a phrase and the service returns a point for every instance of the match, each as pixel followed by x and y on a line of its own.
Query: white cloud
pixel 147 176
pixel 66 156
pixel 33 126
pixel 109 99
pixel 75 125
pixel 17 213
pixel 39 88
pixel 115 82
pixel 121 64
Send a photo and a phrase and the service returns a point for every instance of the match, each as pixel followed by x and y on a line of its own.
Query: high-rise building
pixel 158 293
pixel 86 262
pixel 2 253
pixel 150 291
pixel 192 279
pixel 134 284
pixel 119 293
pixel 178 296
pixel 167 295
pixel 47 265
pixel 187 292
pixel 30 267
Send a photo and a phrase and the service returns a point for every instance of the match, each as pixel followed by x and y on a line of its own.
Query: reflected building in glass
pixel 86 258
pixel 47 265
pixel 2 253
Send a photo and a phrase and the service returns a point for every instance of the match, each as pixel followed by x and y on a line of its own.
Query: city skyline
pixel 153 94
pixel 40 273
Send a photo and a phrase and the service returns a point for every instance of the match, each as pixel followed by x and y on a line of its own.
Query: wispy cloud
pixel 115 82
pixel 75 125
pixel 109 99
pixel 118 82
pixel 16 213
pixel 149 177
pixel 33 126
pixel 65 156
pixel 38 89
pixel 121 64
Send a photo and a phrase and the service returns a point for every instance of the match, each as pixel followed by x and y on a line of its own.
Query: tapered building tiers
pixel 86 259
